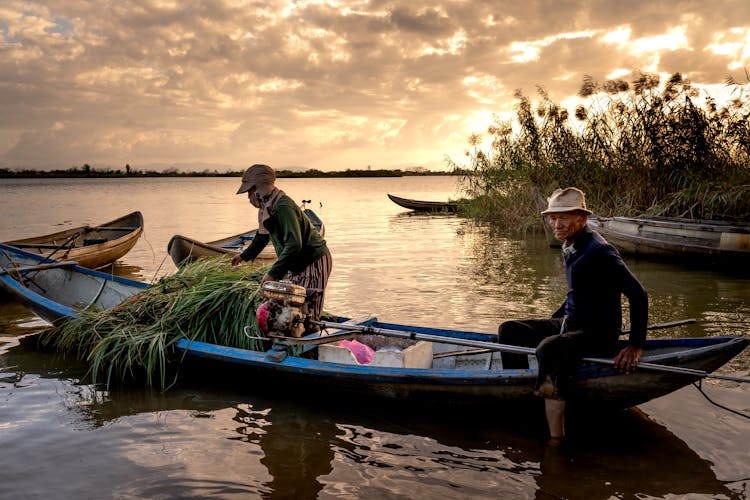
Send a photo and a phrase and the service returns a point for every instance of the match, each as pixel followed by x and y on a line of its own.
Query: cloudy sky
pixel 321 84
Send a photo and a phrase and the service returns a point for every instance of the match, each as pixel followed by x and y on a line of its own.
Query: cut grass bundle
pixel 208 301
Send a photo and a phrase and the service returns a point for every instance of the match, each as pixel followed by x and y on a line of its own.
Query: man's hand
pixel 628 359
pixel 266 278
pixel 237 259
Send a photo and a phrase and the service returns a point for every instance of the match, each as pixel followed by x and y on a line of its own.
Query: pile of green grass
pixel 208 300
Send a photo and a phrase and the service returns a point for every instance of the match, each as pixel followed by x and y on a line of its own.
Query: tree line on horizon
pixel 86 171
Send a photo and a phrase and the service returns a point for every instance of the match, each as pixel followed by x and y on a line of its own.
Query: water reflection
pixel 431 270
pixel 130 271
pixel 627 454
pixel 526 279
pixel 309 450
pixel 524 276
pixel 296 444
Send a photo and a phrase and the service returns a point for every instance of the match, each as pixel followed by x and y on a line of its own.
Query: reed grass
pixel 641 147
pixel 208 300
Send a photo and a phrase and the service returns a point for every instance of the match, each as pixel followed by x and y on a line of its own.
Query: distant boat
pixel 56 290
pixel 425 206
pixel 185 250
pixel 677 238
pixel 90 246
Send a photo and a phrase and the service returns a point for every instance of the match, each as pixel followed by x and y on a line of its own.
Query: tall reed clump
pixel 634 148
pixel 207 300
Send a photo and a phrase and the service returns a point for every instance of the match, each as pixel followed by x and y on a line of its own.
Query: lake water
pixel 62 438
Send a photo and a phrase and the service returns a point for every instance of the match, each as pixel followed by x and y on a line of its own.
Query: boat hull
pixel 456 373
pixel 680 239
pixel 184 250
pixel 479 385
pixel 424 206
pixel 92 247
pixel 58 293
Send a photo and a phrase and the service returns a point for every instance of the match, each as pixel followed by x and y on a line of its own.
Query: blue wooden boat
pixel 55 290
pixel 465 375
pixel 460 367
pixel 184 250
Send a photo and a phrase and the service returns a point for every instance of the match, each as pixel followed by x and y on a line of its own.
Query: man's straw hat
pixel 567 200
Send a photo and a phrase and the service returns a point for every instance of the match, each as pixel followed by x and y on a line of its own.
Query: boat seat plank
pixel 112 228
pixel 44 246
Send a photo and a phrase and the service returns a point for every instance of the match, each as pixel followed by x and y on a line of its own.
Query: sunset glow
pixel 320 84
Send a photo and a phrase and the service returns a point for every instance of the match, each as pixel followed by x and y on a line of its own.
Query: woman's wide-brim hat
pixel 567 200
pixel 256 175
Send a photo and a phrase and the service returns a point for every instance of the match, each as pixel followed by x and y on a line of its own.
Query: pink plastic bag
pixel 363 353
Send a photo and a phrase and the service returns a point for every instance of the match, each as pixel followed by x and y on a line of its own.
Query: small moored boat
pixel 56 290
pixel 90 246
pixel 425 206
pixel 184 250
pixel 677 238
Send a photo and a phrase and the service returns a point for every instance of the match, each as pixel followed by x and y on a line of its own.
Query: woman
pixel 303 256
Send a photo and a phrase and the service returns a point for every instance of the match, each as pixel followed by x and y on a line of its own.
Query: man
pixel 303 257
pixel 589 322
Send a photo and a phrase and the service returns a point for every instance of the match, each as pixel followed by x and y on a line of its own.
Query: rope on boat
pixel 699 385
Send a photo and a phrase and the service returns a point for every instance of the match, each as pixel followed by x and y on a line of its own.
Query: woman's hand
pixel 237 259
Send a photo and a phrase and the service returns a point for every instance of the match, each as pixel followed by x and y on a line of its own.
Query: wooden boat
pixel 677 238
pixel 447 366
pixel 184 250
pixel 465 376
pixel 90 246
pixel 54 290
pixel 425 206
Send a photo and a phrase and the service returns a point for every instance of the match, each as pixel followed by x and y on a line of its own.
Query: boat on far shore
pixel 184 250
pixel 717 242
pixel 425 206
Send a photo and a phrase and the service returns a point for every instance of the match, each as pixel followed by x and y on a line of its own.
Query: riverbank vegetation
pixel 644 147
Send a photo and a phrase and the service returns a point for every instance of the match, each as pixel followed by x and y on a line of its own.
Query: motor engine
pixel 284 311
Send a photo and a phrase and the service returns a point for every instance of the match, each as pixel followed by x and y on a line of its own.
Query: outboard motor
pixel 284 311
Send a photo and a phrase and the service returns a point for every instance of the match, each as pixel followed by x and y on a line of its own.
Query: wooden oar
pixel 353 330
pixel 671 369
pixel 40 267
pixel 658 326
pixel 68 245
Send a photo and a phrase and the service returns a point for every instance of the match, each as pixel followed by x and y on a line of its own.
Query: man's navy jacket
pixel 597 278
